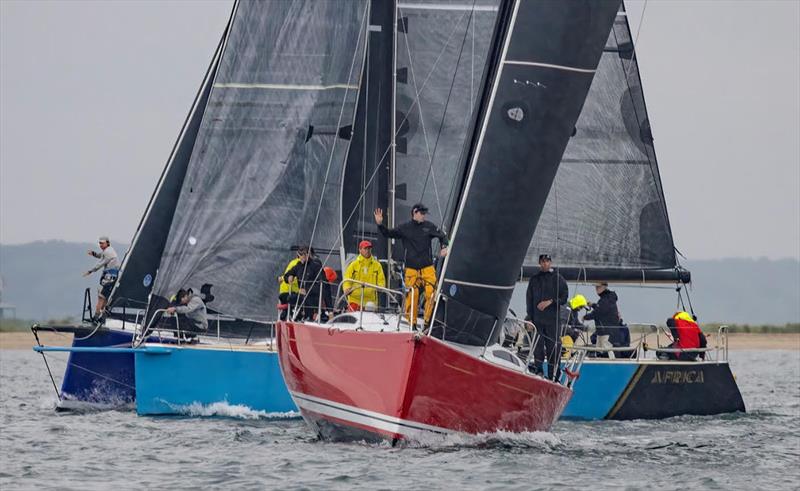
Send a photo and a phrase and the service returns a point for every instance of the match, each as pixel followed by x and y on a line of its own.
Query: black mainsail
pixel 531 100
pixel 606 217
pixel 265 171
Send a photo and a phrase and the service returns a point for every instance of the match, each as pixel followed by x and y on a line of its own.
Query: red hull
pixel 355 384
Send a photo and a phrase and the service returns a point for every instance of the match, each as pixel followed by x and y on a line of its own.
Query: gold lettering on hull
pixel 678 377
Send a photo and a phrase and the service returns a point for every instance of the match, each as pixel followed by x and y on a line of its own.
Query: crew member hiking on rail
pixel 547 291
pixel 364 269
pixel 108 261
pixel 308 272
pixel 417 235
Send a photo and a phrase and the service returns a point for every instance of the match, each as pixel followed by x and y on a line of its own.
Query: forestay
pixel 262 180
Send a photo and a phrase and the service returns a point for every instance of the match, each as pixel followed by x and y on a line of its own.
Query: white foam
pixel 227 410
pixel 527 439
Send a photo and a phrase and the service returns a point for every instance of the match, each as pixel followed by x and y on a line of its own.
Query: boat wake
pixel 503 440
pixel 227 410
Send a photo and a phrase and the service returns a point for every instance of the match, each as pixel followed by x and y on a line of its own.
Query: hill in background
pixel 43 280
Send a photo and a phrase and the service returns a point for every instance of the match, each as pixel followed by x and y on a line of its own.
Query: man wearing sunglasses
pixel 416 236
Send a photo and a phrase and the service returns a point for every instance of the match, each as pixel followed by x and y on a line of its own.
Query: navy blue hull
pixel 630 389
pixel 100 378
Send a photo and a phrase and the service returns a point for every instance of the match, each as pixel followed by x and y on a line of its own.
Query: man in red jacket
pixel 687 335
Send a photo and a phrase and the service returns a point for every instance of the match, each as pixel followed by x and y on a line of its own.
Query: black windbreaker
pixel 546 285
pixel 605 313
pixel 310 277
pixel 416 237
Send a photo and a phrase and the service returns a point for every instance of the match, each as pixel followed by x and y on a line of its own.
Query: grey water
pixel 40 448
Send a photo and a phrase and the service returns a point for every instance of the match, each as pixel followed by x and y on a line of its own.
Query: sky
pixel 93 95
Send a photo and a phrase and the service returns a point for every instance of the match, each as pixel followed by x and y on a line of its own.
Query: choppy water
pixel 42 449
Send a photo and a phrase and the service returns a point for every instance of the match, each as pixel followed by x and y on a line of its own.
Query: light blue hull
pixel 190 379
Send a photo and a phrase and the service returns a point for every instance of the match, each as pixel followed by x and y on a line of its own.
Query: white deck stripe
pixel 447 6
pixel 363 416
pixel 284 86
pixel 480 285
pixel 549 65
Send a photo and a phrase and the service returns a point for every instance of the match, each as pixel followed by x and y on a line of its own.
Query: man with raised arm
pixel 416 236
pixel 109 263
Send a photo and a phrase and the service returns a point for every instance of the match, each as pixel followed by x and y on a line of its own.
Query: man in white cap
pixel 109 263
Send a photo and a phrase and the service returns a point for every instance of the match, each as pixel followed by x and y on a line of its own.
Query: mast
pixel 393 149
pixel 544 57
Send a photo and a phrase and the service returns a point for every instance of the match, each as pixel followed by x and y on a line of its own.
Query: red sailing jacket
pixel 688 334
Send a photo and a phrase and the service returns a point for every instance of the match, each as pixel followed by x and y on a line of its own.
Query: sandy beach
pixel 737 341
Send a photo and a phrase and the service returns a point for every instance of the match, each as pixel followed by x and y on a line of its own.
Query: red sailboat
pixel 396 384
pixel 373 374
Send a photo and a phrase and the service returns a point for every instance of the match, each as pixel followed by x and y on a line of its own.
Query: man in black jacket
pixel 547 292
pixel 310 279
pixel 607 321
pixel 417 235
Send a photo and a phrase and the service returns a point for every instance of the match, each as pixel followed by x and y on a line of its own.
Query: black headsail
pixel 140 265
pixel 265 171
pixel 543 58
pixel 606 217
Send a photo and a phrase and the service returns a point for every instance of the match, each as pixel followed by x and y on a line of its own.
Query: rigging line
pixel 636 40
pixel 444 115
pixel 418 92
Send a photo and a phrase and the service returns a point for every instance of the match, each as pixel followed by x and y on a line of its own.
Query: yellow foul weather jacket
pixel 368 271
pixel 295 287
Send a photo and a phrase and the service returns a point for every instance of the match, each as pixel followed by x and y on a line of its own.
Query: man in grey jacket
pixel 192 312
pixel 109 263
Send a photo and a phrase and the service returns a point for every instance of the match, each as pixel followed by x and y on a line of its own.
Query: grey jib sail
pixel 265 171
pixel 141 262
pixel 606 209
pixel 543 59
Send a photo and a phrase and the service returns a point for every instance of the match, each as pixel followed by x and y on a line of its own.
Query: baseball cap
pixel 364 243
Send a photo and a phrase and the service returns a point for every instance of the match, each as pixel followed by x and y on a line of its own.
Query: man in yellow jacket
pixel 364 268
pixel 287 293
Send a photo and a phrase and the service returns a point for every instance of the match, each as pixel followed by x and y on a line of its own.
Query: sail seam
pixel 442 6
pixel 481 285
pixel 549 65
pixel 235 85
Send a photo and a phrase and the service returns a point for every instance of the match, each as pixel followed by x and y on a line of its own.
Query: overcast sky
pixel 93 95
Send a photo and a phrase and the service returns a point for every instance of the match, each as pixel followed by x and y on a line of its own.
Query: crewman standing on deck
pixel 547 292
pixel 417 235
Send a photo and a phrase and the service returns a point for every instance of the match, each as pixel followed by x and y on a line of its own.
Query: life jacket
pixel 688 332
pixel 294 287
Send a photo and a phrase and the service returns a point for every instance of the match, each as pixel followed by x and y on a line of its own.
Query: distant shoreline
pixel 736 341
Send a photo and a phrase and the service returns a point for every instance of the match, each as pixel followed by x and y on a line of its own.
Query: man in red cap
pixel 364 269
